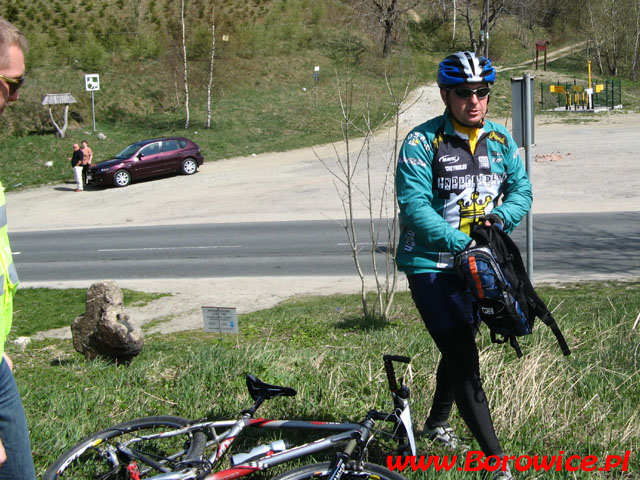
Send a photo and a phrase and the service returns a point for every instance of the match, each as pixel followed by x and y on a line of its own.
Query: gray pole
pixel 528 134
pixel 93 111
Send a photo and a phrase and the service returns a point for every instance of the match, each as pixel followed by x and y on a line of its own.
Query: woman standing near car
pixel 87 156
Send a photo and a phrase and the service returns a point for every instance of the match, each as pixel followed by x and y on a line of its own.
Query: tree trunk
pixel 388 31
pixel 472 37
pixel 455 11
pixel 483 46
pixel 60 132
pixel 387 13
pixel 184 75
pixel 596 40
pixel 633 75
pixel 213 51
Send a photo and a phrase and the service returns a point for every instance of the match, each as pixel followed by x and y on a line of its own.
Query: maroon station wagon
pixel 147 158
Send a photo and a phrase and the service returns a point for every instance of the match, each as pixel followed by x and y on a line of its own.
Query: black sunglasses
pixel 464 92
pixel 14 84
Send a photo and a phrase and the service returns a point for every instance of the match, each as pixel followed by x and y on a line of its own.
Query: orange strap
pixel 476 277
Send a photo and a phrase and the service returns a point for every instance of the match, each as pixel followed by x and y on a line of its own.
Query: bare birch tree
pixel 213 52
pixel 184 59
pixel 455 16
pixel 490 11
pixel 595 38
pixel 354 186
pixel 633 74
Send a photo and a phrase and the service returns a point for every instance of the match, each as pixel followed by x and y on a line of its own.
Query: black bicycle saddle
pixel 259 389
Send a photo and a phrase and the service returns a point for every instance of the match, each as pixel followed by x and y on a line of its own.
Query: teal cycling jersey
pixel 443 189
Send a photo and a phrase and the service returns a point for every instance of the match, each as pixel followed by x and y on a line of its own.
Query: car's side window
pixel 182 143
pixel 151 149
pixel 169 145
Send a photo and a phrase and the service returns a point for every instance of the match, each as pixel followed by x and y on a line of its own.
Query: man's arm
pixel 414 190
pixel 518 194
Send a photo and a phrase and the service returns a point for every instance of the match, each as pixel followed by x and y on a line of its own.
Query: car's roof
pixel 151 140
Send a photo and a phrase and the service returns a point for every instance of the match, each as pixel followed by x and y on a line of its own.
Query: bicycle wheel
pixel 97 456
pixel 322 470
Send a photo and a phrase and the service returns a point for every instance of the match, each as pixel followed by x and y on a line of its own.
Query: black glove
pixel 493 219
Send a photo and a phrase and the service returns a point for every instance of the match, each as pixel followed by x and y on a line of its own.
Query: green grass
pixel 585 404
pixel 38 309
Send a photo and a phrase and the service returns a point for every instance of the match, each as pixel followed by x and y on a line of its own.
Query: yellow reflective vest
pixel 8 275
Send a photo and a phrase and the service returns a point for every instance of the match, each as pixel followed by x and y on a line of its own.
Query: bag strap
pixel 493 235
pixel 541 309
pixel 511 339
pixel 550 322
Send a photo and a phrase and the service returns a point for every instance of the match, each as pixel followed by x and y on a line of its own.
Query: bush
pixel 89 53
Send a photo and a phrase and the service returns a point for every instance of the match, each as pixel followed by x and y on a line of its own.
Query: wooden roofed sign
pixel 65 99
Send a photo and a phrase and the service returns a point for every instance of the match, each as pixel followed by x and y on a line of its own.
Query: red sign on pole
pixel 541 45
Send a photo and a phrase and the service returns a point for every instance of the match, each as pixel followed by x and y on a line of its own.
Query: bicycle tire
pixel 321 470
pixel 94 457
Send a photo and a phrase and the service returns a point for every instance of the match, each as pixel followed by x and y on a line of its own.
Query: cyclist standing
pixel 15 451
pixel 455 171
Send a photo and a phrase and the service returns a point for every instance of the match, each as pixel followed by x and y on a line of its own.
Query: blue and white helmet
pixel 465 67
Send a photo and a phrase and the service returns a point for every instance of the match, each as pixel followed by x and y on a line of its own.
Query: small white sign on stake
pixel 220 320
pixel 92 82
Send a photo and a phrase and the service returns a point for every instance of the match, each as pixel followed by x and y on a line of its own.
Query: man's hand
pixel 8 360
pixel 3 454
pixel 491 219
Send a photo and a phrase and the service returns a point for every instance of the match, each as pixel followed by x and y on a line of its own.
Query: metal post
pixel 93 111
pixel 528 135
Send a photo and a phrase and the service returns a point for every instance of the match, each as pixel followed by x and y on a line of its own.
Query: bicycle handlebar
pixel 396 358
pixel 391 374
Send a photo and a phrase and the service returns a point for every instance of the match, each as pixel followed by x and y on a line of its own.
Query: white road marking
pixel 153 249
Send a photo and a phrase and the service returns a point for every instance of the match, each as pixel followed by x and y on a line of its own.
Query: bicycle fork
pixel 402 411
pixel 360 438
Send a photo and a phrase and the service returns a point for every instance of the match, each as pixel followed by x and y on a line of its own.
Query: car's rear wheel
pixel 121 178
pixel 189 166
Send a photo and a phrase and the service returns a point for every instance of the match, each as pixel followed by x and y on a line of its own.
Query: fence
pixel 573 96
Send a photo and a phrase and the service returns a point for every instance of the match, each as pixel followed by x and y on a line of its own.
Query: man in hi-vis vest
pixel 16 462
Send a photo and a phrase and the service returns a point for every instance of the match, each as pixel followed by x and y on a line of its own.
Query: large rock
pixel 105 329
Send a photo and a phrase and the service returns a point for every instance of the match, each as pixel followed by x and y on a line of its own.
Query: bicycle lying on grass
pixel 174 448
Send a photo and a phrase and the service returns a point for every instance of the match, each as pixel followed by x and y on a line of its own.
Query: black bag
pixel 507 302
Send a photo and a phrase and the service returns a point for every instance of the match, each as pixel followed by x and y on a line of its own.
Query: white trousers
pixel 77 173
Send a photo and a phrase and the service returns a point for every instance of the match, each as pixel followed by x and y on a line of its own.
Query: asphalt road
pixel 565 246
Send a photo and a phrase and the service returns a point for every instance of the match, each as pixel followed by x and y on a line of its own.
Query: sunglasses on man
pixel 14 84
pixel 465 92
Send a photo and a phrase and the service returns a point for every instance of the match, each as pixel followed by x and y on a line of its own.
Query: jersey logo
pixel 449 159
pixel 471 210
pixel 436 141
pixel 493 135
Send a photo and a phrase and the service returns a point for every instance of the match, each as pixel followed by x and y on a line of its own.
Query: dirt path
pixel 552 54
